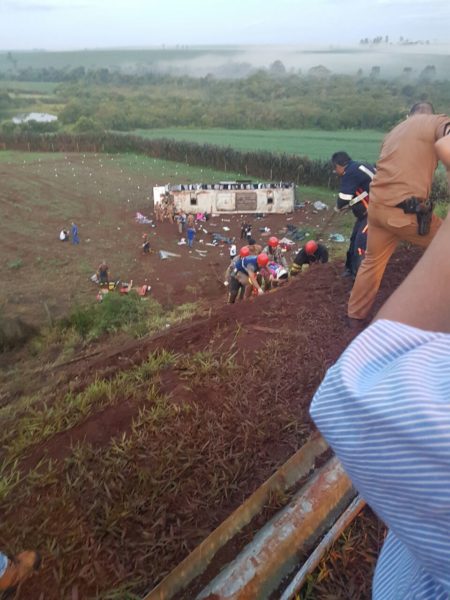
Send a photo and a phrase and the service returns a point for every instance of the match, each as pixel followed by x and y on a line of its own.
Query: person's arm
pixel 254 281
pixel 423 299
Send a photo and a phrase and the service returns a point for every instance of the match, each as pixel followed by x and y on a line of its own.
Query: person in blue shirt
pixel 74 234
pixel 246 272
pixel 355 181
pixel 384 408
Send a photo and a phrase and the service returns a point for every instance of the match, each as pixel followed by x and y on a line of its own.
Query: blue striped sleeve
pixel 384 407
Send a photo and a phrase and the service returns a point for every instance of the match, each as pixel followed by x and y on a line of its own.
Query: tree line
pixel 270 99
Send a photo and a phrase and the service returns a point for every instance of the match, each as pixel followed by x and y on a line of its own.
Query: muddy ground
pixel 129 484
pixel 241 425
pixel 41 278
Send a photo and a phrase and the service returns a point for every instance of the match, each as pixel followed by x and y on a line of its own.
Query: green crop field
pixel 28 87
pixel 360 144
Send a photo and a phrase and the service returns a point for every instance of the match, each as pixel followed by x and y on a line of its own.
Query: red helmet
pixel 311 247
pixel 262 259
pixel 273 242
pixel 244 251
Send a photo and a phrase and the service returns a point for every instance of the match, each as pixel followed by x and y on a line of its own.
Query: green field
pixel 28 87
pixel 360 144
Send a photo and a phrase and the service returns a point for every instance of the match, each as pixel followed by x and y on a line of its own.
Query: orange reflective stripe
pixel 365 229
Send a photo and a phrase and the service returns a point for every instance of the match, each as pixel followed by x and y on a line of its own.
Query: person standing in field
pixel 190 229
pixel 103 273
pixel 400 206
pixel 356 178
pixel 74 234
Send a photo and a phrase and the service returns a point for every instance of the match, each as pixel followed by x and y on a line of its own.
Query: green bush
pixel 15 264
pixel 113 313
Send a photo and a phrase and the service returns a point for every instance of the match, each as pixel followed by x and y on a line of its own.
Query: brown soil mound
pixel 150 478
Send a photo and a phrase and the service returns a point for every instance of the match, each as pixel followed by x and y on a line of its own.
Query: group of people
pixel 165 209
pixel 399 208
pixel 384 406
pixel 255 269
pixel 65 236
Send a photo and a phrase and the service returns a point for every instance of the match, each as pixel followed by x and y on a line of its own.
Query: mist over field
pixel 389 60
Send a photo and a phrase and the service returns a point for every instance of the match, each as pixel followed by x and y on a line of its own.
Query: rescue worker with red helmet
pixel 274 251
pixel 311 252
pixel 236 289
pixel 247 270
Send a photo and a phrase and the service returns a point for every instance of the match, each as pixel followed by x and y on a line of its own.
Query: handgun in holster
pixel 423 209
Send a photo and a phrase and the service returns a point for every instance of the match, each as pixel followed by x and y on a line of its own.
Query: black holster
pixel 423 209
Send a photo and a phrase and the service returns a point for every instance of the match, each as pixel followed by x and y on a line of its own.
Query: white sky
pixel 73 24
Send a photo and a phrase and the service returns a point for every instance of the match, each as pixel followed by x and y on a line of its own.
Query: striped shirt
pixel 384 407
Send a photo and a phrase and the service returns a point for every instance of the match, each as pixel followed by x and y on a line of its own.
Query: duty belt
pixel 423 209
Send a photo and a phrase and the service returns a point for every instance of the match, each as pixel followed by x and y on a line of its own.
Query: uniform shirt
pixel 248 264
pixel 408 159
pixel 384 407
pixel 320 255
pixel 355 180
pixel 276 255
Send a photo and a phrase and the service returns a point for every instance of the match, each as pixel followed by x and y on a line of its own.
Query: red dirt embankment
pixel 239 428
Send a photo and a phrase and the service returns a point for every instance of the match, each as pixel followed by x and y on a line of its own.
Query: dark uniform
pixel 354 191
pixel 302 258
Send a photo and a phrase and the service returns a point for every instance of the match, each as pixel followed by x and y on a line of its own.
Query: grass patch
pixel 127 312
pixel 34 420
pixel 15 264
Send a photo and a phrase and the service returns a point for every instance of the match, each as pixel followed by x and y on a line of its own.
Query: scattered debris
pixel 163 255
pixel 336 237
pixel 140 218
pixel 318 205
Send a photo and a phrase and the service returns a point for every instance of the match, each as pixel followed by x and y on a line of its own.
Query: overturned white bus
pixel 229 197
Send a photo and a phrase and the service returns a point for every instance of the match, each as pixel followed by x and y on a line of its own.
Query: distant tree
pixel 8 127
pixel 319 72
pixel 39 127
pixel 86 125
pixel 12 59
pixel 277 69
pixel 375 72
pixel 428 74
pixel 72 112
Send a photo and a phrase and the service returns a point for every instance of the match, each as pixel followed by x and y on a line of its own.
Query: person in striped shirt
pixel 384 407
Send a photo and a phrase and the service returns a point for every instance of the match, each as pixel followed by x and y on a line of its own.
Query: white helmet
pixel 281 273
